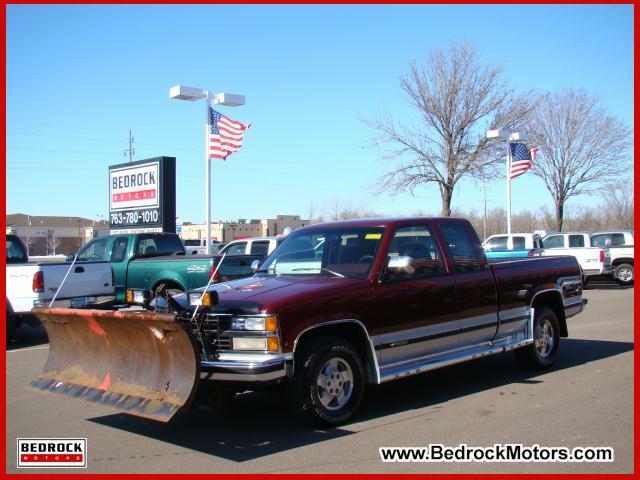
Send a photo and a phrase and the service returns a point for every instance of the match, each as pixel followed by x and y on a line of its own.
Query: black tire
pixel 543 351
pixel 322 405
pixel 12 326
pixel 624 270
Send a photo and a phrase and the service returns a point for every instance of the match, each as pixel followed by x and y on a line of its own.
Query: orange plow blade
pixel 143 363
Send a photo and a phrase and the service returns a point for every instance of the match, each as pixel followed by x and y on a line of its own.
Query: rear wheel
pixel 328 382
pixel 623 274
pixel 546 340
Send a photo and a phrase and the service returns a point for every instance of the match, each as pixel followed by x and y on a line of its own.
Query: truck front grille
pixel 215 332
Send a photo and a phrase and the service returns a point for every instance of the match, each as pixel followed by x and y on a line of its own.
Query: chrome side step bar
pixel 449 358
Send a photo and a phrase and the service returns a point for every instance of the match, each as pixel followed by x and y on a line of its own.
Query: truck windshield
pixel 348 252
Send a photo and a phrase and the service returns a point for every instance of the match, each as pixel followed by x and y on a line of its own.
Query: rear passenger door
pixel 475 285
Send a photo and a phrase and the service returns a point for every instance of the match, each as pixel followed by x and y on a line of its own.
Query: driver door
pixel 418 308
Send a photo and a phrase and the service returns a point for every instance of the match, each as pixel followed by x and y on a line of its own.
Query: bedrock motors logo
pixel 52 452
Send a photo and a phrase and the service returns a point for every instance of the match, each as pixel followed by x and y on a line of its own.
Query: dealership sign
pixel 142 196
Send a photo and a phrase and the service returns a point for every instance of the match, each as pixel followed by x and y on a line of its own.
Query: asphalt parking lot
pixel 586 399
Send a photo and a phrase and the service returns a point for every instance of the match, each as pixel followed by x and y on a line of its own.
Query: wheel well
pixel 620 261
pixel 350 331
pixel 169 284
pixel 553 300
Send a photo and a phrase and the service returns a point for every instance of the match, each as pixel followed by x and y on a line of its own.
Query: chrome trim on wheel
pixel 544 338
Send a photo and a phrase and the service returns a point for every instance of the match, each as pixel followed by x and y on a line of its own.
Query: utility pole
pixel 484 183
pixel 130 151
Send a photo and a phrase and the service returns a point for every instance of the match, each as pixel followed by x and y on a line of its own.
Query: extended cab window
pixel 418 243
pixel 259 248
pixel 192 243
pixel 236 248
pixel 554 241
pixel 94 251
pixel 519 243
pixel 156 245
pixel 576 241
pixel 497 243
pixel 465 258
pixel 119 249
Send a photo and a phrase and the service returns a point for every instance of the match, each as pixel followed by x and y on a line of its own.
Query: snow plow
pixel 140 362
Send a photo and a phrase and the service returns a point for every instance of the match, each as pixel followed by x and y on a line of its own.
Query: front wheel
pixel 623 274
pixel 546 339
pixel 328 382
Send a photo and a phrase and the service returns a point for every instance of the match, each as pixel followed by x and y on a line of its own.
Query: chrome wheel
pixel 334 384
pixel 625 274
pixel 545 338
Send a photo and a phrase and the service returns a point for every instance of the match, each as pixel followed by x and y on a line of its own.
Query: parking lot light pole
pixel 508 137
pixel 181 92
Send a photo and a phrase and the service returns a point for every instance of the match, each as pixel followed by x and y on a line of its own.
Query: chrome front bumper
pixel 574 308
pixel 248 368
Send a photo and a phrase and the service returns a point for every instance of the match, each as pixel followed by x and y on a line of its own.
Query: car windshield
pixel 347 252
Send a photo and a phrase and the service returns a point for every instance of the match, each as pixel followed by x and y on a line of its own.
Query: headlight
pixel 265 324
pixel 137 296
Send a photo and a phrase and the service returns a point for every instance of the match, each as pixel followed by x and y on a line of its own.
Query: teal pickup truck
pixel 148 261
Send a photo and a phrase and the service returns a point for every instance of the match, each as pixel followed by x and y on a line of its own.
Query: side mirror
pixel 401 263
pixel 70 257
pixel 255 265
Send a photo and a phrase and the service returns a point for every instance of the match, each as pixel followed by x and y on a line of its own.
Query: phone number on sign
pixel 134 217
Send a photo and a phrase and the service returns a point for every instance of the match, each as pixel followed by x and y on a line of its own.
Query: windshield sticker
pixel 373 236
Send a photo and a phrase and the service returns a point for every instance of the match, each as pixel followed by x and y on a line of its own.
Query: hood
pixel 271 293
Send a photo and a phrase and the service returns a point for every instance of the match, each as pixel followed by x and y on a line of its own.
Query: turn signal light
pixel 273 345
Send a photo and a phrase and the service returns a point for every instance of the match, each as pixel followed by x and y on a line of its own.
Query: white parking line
pixel 40 347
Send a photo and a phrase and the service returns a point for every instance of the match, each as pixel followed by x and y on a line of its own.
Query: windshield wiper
pixel 322 269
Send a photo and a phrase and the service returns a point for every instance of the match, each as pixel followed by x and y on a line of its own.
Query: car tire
pixel 546 339
pixel 623 274
pixel 328 382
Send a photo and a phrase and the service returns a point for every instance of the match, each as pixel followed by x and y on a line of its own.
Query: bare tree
pixel 457 99
pixel 582 148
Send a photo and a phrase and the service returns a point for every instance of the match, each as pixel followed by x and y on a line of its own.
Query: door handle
pixel 79 269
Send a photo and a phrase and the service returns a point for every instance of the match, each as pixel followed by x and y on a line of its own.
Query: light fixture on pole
pixel 508 137
pixel 182 92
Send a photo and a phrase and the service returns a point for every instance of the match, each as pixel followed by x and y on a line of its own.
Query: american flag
pixel 521 159
pixel 225 135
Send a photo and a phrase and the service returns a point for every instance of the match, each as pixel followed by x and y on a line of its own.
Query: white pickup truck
pixel 620 244
pixel 32 284
pixel 594 261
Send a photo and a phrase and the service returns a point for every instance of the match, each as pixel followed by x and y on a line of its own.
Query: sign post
pixel 142 196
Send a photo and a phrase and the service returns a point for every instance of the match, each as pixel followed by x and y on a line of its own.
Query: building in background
pixel 46 235
pixel 243 228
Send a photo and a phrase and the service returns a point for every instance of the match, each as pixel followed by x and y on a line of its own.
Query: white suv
pixel 252 246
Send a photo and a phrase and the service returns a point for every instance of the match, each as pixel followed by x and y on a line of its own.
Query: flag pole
pixel 207 176
pixel 508 187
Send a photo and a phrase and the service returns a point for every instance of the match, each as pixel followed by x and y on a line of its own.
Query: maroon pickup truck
pixel 341 305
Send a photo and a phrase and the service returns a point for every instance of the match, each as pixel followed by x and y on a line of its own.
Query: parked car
pixel 252 246
pixel 620 244
pixel 594 261
pixel 199 246
pixel 379 300
pixel 155 262
pixel 32 284
pixel 515 245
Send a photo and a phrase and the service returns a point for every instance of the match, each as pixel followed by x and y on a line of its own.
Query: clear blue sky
pixel 79 77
